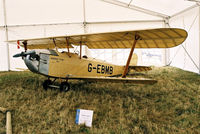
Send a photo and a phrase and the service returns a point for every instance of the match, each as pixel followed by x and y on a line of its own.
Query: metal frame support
pixel 130 2
pixel 80 23
pixel 183 11
pixel 197 1
pixel 199 39
pixel 6 32
pixel 52 24
pixel 126 21
pixel 166 51
pixel 146 11
pixel 84 17
pixel 137 37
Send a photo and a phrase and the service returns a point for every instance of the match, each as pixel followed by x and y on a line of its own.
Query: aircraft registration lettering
pixel 103 69
pixel 57 59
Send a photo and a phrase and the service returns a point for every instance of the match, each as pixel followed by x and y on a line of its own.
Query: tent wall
pixel 3 51
pixel 186 56
pixel 25 20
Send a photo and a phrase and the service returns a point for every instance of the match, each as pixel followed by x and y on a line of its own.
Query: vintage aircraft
pixel 66 65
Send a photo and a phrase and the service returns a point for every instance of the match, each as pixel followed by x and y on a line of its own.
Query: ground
pixel 170 106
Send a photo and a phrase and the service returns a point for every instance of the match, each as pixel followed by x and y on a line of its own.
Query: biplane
pixel 41 55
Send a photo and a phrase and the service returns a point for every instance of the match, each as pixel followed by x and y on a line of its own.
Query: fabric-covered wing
pixel 44 43
pixel 116 80
pixel 151 38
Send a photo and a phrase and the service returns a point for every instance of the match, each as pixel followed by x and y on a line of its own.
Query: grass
pixel 170 106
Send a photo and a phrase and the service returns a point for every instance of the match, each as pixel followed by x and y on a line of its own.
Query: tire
pixel 46 84
pixel 64 87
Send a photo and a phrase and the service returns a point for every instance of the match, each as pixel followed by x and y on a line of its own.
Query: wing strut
pixel 67 41
pixel 25 45
pixel 55 44
pixel 137 37
pixel 80 49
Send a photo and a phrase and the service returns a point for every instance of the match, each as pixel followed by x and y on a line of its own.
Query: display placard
pixel 84 117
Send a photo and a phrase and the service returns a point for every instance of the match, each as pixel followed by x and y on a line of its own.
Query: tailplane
pixel 134 68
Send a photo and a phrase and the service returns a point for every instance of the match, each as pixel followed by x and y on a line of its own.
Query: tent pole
pixel 84 17
pixel 80 23
pixel 199 39
pixel 130 2
pixel 166 51
pixel 6 33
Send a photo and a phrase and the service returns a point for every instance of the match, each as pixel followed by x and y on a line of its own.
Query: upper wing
pixel 116 80
pixel 43 43
pixel 151 38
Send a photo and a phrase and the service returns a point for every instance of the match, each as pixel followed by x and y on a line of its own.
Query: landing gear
pixel 64 86
pixel 46 84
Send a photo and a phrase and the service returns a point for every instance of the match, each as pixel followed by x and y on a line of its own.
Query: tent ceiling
pixel 24 13
pixel 167 7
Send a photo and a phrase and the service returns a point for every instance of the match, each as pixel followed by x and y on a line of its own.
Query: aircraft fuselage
pixel 62 65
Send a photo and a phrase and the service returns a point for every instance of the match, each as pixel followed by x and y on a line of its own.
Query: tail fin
pixel 134 68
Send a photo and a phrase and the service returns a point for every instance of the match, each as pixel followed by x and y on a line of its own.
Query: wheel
pixel 46 84
pixel 64 86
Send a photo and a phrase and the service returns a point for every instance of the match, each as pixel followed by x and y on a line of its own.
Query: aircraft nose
pixel 32 64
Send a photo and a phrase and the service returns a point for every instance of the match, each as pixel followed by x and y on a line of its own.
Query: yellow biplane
pixel 45 59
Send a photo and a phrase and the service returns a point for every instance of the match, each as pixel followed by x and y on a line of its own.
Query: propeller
pixel 24 54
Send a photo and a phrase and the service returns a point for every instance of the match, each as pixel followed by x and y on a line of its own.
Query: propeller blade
pixel 17 55
pixel 24 54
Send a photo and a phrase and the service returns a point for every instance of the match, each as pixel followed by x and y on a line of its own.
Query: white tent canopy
pixel 35 18
pixel 161 7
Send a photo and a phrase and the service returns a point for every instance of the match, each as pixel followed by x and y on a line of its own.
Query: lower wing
pixel 116 80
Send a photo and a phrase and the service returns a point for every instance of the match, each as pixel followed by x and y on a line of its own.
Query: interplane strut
pixel 137 37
